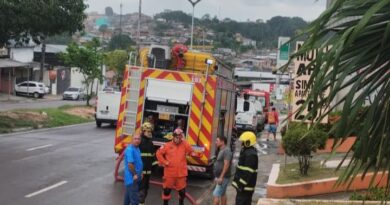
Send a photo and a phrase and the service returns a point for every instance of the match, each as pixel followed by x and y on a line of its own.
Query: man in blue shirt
pixel 133 171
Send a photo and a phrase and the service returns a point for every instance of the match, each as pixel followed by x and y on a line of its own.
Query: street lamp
pixel 193 3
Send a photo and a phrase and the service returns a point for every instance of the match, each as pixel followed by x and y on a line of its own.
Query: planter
pixel 316 187
pixel 342 148
pixel 333 119
pixel 266 201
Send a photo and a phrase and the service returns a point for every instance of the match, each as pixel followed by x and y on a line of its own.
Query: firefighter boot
pixel 166 195
pixel 182 195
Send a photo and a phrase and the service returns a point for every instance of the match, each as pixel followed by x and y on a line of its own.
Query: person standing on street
pixel 222 171
pixel 148 160
pixel 246 172
pixel 172 156
pixel 273 121
pixel 133 171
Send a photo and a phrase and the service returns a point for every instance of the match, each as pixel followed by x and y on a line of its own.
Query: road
pixel 69 165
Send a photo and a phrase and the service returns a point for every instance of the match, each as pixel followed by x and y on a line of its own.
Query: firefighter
pixel 244 180
pixel 172 156
pixel 148 159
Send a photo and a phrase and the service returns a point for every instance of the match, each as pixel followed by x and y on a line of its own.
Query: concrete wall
pixel 77 79
pixel 24 55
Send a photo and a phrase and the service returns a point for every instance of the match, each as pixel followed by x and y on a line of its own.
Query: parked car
pixel 33 88
pixel 73 93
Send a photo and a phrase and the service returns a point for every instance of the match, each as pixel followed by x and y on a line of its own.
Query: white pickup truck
pixel 107 106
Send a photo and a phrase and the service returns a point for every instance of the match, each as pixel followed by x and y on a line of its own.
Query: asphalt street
pixel 68 166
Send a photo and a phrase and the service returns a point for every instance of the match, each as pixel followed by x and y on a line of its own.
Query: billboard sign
pixel 301 77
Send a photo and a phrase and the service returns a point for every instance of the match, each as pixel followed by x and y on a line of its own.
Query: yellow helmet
pixel 169 136
pixel 147 126
pixel 248 138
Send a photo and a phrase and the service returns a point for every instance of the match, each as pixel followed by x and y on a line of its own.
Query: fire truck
pixel 262 96
pixel 198 92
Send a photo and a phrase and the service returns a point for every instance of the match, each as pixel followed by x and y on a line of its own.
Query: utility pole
pixel 139 23
pixel 120 20
pixel 193 3
pixel 120 25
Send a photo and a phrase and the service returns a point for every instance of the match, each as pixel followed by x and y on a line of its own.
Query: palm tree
pixel 353 42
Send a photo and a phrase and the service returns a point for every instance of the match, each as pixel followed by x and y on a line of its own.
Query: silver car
pixel 73 93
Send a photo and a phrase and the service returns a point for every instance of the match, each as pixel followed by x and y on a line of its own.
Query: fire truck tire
pixel 98 123
pixel 117 166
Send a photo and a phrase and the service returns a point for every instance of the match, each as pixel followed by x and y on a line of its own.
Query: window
pixel 72 89
pixel 32 85
pixel 23 85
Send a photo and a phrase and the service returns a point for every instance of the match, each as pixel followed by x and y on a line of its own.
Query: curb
pixel 319 186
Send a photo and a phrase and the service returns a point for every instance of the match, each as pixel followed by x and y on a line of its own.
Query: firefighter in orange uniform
pixel 172 156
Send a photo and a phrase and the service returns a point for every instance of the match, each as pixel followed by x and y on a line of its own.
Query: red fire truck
pixel 199 96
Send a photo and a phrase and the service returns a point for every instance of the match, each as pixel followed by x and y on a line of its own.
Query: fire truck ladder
pixel 132 95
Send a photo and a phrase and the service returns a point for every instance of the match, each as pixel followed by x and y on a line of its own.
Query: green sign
pixel 284 50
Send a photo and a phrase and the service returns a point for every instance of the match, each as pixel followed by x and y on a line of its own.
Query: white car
pixel 73 93
pixel 36 89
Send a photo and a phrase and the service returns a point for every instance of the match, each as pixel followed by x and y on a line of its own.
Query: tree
pixel 352 64
pixel 50 17
pixel 88 60
pixel 109 11
pixel 36 20
pixel 121 42
pixel 9 26
pixel 117 60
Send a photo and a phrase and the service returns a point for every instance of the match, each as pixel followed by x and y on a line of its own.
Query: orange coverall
pixel 173 157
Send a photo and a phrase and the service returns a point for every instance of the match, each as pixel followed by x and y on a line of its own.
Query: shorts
pixel 272 128
pixel 177 183
pixel 220 189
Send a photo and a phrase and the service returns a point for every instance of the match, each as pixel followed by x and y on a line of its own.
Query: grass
pixel 290 173
pixel 59 118
pixel 7 124
pixel 55 117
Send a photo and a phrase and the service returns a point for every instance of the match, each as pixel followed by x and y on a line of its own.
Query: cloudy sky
pixel 240 10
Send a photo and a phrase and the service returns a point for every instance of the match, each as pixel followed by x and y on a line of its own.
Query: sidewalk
pixel 48 101
pixel 5 98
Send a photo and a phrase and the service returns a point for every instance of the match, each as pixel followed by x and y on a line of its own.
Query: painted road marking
pixel 46 189
pixel 39 147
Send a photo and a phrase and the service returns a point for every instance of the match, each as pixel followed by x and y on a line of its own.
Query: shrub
pixel 300 141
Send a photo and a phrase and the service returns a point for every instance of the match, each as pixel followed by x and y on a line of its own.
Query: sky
pixel 239 10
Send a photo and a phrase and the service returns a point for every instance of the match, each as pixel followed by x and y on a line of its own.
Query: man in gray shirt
pixel 222 171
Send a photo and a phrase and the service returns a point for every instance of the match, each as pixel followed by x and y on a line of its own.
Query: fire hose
pixel 157 183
